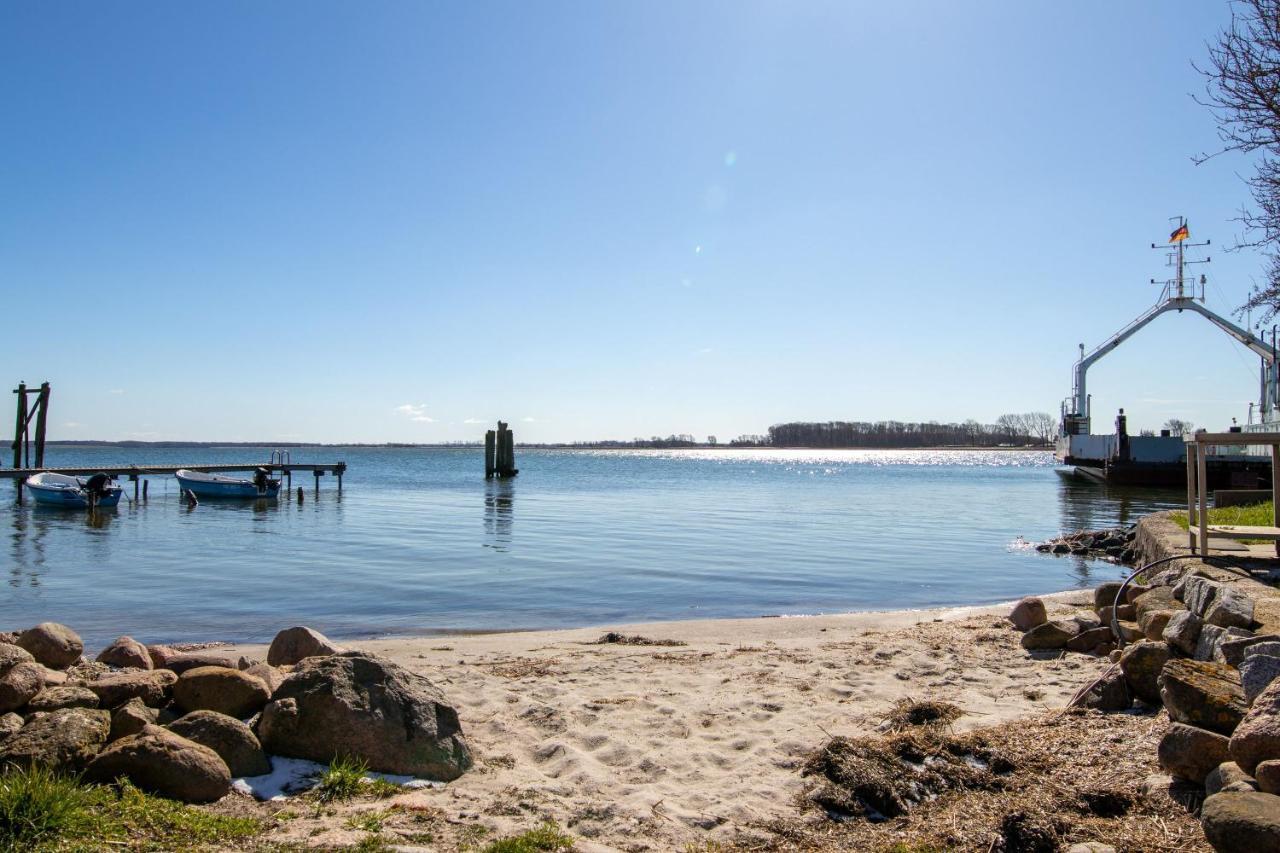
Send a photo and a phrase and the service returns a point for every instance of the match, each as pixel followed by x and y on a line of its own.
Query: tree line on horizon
pixel 1037 428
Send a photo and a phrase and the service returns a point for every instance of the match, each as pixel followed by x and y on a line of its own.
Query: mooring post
pixel 144 489
pixel 134 479
pixel 299 494
pixel 490 445
pixel 317 473
pixel 338 472
pixel 21 425
pixel 17 484
pixel 42 413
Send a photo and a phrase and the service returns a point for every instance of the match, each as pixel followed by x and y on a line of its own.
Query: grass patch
pixel 1248 515
pixel 368 821
pixel 41 810
pixel 545 839
pixel 345 780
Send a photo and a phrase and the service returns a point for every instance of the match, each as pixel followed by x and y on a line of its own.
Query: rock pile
pixel 1192 644
pixel 184 724
pixel 1114 544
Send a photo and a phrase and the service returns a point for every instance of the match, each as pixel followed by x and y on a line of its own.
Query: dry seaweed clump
pixel 908 713
pixel 614 638
pixel 1031 785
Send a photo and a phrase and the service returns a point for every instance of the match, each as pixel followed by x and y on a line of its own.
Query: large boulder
pixel 1153 623
pixel 1183 631
pixel 56 646
pixel 126 652
pixel 1241 821
pixel 19 685
pixel 1198 594
pixel 366 707
pixel 1156 598
pixel 1268 773
pixel 1141 664
pixel 1256 672
pixel 1104 594
pixel 1050 635
pixel 130 718
pixel 11 656
pixel 227 736
pixel 1233 650
pixel 217 688
pixel 1087 641
pixel 65 696
pixel 1230 609
pixel 1191 753
pixel 161 762
pixel 1257 738
pixel 62 740
pixel 1028 613
pixel 269 675
pixel 293 645
pixel 185 661
pixel 1203 693
pixel 1228 775
pixel 151 686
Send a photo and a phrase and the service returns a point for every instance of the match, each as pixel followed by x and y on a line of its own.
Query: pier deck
pixel 135 473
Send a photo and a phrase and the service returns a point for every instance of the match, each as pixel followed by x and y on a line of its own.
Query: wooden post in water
pixel 42 415
pixel 144 489
pixel 20 428
pixel 504 452
pixel 490 444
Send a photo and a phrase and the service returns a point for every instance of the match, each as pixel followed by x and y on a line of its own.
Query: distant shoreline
pixel 604 445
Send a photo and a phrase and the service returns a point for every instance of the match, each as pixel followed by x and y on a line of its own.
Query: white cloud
pixel 473 421
pixel 527 419
pixel 416 413
pixel 72 425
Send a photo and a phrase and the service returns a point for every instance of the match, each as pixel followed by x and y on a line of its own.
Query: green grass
pixel 1249 515
pixel 345 780
pixel 368 821
pixel 43 811
pixel 545 839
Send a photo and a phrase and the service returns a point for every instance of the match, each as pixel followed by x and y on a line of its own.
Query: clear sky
pixel 400 221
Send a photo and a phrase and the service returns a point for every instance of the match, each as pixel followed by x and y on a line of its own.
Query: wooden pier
pixel 135 473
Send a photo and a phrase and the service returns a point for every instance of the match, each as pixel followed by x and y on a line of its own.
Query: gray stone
pixel 1242 821
pixel 1198 594
pixel 1142 664
pixel 1230 609
pixel 1203 693
pixel 1207 645
pixel 1050 635
pixel 125 652
pixel 10 724
pixel 1156 598
pixel 56 646
pixel 1268 648
pixel 11 656
pixel 1257 738
pixel 1110 694
pixel 1225 775
pixel 1183 631
pixel 1256 672
pixel 1191 753
pixel 1233 650
pixel 19 685
pixel 66 696
pixel 293 645
pixel 65 739
pixel 369 708
pixel 1087 641
pixel 161 762
pixel 228 737
pixel 1028 613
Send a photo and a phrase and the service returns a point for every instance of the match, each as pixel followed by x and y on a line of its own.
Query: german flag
pixel 1181 234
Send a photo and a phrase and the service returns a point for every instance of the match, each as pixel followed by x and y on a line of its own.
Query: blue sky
pixel 400 221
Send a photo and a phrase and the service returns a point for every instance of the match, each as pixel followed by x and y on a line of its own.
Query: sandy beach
pixel 699 738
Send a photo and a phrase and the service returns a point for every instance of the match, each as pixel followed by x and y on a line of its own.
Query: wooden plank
pixel 1243 531
pixel 1192 451
pixel 1202 499
pixel 1235 438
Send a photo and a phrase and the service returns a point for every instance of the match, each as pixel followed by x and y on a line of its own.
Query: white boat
pixel 62 490
pixel 204 485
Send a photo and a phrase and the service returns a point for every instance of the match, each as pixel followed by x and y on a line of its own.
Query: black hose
pixel 1205 558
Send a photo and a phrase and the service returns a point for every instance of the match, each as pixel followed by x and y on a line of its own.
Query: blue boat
pixel 50 489
pixel 204 485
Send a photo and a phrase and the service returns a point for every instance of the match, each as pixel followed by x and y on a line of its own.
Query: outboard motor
pixel 261 480
pixel 96 488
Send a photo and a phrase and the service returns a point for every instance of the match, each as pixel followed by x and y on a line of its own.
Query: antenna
pixel 1176 257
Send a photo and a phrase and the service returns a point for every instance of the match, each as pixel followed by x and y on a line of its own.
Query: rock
pixel 1050 635
pixel 1087 641
pixel 1161 787
pixel 1156 598
pixel 11 656
pixel 185 661
pixel 66 696
pixel 56 646
pixel 1209 646
pixel 1203 693
pixel 1126 612
pixel 1183 631
pixel 1240 821
pixel 1153 623
pixel 1233 650
pixel 228 737
pixel 161 762
pixel 1270 648
pixel 1142 664
pixel 218 688
pixel 1257 738
pixel 1114 655
pixel 65 739
pixel 1226 774
pixel 1110 694
pixel 1268 773
pixel 151 686
pixel 160 655
pixel 1106 615
pixel 1028 613
pixel 53 677
pixel 10 724
pixel 1256 672
pixel 1130 632
pixel 292 645
pixel 269 675
pixel 1104 595
pixel 1191 753
pixel 1199 593
pixel 130 718
pixel 1230 609
pixel 1133 590
pixel 19 685
pixel 126 652
pixel 367 707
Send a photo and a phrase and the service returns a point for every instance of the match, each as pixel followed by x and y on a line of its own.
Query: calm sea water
pixel 418 542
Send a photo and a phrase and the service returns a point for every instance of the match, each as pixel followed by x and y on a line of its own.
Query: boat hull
pixel 71 498
pixel 227 489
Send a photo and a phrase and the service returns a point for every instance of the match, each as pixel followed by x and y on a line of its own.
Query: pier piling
pixel 500 453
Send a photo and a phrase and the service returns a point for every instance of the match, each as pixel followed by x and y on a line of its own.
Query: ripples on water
pixel 419 542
